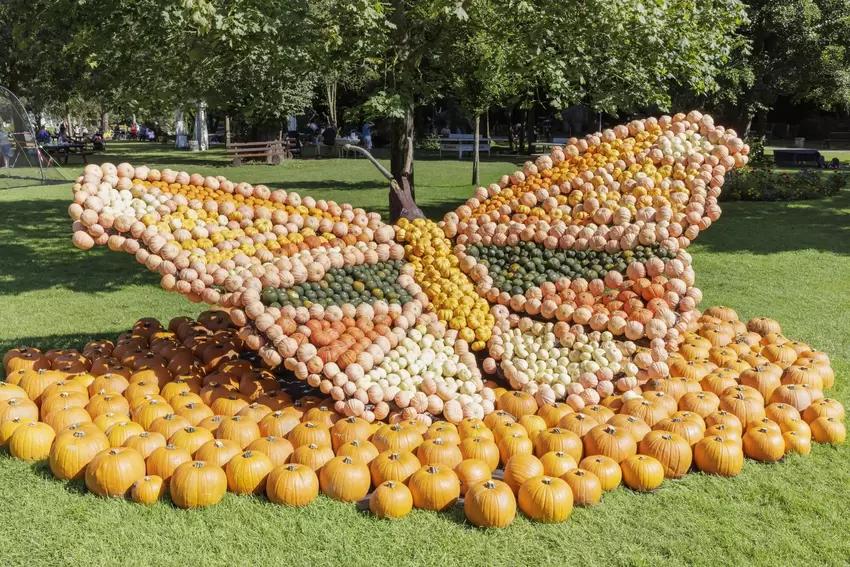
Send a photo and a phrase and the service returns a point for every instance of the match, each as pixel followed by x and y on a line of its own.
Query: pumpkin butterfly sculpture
pixel 569 279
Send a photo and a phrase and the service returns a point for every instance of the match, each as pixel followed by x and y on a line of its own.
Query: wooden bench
pixel 274 151
pixel 555 142
pixel 797 157
pixel 838 138
pixel 463 143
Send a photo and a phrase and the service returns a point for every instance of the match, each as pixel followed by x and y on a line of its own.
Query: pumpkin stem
pixel 489 484
pixel 347 461
pixel 199 464
pixel 79 433
pixel 312 446
pixel 247 455
pixel 546 480
pixel 432 469
pixel 290 467
pixel 114 451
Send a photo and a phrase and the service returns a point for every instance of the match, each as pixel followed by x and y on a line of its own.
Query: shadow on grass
pixel 768 228
pixel 48 342
pixel 41 469
pixel 36 253
pixel 304 187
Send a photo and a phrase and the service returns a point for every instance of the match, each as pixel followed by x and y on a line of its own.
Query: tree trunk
pixel 511 147
pixel 17 121
pixel 749 126
pixel 104 121
pixel 488 124
pixel 476 157
pixel 530 125
pixel 402 193
pixel 523 120
pixel 201 134
pixel 761 123
pixel 227 130
pixel 330 91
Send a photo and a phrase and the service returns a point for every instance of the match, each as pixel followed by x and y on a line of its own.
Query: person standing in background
pixel 367 135
pixel 6 149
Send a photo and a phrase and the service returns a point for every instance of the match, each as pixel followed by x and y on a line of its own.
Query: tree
pixel 245 57
pixel 795 48
pixel 481 70
pixel 610 54
pixel 407 41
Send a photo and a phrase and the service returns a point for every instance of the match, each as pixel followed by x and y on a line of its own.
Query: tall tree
pixel 482 70
pixel 795 48
pixel 611 54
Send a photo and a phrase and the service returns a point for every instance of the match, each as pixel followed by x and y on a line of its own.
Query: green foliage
pixel 617 54
pixel 756 154
pixel 795 48
pixel 764 184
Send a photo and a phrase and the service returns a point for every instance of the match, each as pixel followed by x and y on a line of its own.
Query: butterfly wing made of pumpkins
pixel 592 236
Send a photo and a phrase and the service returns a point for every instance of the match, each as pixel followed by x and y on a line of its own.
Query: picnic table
pixel 67 150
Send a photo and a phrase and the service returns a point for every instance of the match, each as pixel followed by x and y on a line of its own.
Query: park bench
pixel 553 143
pixel 274 151
pixel 837 138
pixel 798 157
pixel 463 143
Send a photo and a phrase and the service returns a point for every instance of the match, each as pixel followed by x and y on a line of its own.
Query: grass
pixel 788 261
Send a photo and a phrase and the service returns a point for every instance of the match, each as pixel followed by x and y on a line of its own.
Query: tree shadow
pixel 48 342
pixel 36 253
pixel 42 470
pixel 436 211
pixel 771 227
pixel 303 187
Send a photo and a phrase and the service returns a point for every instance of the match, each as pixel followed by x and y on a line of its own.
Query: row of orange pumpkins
pixel 197 437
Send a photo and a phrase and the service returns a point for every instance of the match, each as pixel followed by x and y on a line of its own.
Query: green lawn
pixel 788 261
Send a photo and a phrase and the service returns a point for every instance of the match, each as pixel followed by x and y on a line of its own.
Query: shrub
pixel 756 144
pixel 764 184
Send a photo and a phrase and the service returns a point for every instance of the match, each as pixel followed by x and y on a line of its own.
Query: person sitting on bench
pixel 328 139
pixel 97 140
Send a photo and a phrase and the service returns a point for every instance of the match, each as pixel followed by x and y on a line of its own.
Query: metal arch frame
pixel 26 117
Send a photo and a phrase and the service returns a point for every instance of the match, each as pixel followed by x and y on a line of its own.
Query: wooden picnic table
pixel 67 150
